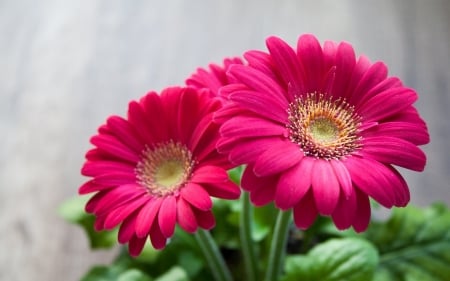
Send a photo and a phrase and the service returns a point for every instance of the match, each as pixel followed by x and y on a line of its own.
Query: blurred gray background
pixel 66 65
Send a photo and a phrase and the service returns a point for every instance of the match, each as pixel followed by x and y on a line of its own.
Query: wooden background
pixel 66 65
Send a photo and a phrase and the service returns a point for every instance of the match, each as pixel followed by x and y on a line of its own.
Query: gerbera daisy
pixel 213 78
pixel 321 131
pixel 157 168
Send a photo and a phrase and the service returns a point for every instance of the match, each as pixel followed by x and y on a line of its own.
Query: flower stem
pixel 247 245
pixel 278 246
pixel 213 256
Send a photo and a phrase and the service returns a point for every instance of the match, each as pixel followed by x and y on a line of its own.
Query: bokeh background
pixel 66 65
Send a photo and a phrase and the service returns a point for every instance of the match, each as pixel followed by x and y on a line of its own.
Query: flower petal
pixel 386 104
pixel 394 151
pixel 246 126
pixel 325 187
pixel 344 214
pixel 167 216
pixel 310 55
pixel 368 176
pixel 343 176
pixel 305 212
pixel 225 190
pixel 115 148
pixel 415 133
pixel 293 184
pixel 122 213
pixel 250 181
pixel 196 196
pixel 362 219
pixel 205 219
pixel 281 156
pixel 259 102
pixel 287 64
pixel 136 245
pixel 157 237
pixel 185 216
pixel 147 216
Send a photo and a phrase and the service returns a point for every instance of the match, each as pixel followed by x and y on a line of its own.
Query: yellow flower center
pixel 165 168
pixel 323 127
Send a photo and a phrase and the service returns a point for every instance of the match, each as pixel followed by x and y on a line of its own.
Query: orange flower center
pixel 165 168
pixel 323 127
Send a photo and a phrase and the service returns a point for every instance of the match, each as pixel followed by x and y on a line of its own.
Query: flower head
pixel 213 78
pixel 321 131
pixel 157 168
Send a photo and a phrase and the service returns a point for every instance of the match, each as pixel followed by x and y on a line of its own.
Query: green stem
pixel 247 245
pixel 213 256
pixel 278 246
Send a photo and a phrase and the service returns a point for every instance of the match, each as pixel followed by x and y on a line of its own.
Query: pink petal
pixel 305 212
pixel 136 245
pixel 96 168
pixel 287 64
pixel 254 127
pixel 402 195
pixel 259 102
pixel 293 184
pixel 371 78
pixel 117 197
pixel 90 186
pixel 252 182
pixel 224 190
pixel 394 151
pixel 167 216
pixel 362 218
pixel 345 62
pixel 343 176
pixel 388 83
pixel 412 132
pixel 126 231
pixel 122 213
pixel 146 217
pixel 185 216
pixel 248 150
pixel 114 148
pixel 157 238
pixel 309 53
pixel 345 212
pixel 325 187
pixel 209 174
pixel 126 133
pixel 188 112
pixel 386 104
pixel 281 156
pixel 196 196
pixel 262 62
pixel 259 83
pixel 116 178
pixel 368 177
pixel 361 67
pixel 141 123
pixel 205 219
pixel 262 195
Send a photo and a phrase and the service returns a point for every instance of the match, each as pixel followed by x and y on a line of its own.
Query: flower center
pixel 165 168
pixel 323 127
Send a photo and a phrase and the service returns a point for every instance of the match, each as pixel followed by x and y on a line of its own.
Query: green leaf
pixel 349 259
pixel 115 273
pixel 73 211
pixel 133 275
pixel 414 244
pixel 176 273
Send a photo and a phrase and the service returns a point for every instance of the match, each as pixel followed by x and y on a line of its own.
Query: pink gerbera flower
pixel 213 78
pixel 157 168
pixel 321 130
